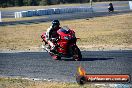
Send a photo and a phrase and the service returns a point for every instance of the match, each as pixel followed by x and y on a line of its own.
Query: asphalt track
pixel 40 65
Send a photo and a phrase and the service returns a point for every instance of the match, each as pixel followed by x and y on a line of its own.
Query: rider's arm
pixel 48 32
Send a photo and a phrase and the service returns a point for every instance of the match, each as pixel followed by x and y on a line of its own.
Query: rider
pixel 110 7
pixel 52 33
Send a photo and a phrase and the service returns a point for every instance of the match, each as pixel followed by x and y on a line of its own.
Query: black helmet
pixel 110 4
pixel 55 23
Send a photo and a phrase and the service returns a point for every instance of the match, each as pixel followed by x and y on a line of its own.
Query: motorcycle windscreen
pixel 64 31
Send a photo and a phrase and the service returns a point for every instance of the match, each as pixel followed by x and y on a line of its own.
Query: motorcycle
pixel 65 45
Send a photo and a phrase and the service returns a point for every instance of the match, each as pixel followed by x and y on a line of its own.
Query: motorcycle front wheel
pixel 77 56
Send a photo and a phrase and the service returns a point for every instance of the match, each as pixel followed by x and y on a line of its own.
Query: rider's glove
pixel 47 39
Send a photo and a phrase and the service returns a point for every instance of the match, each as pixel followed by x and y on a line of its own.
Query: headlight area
pixel 67 38
pixel 70 39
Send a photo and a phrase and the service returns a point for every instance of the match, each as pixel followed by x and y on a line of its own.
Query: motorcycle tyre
pixel 78 52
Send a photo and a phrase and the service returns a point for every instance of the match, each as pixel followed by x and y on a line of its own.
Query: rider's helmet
pixel 110 4
pixel 55 23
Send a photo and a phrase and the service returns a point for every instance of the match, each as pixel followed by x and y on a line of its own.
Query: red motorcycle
pixel 65 45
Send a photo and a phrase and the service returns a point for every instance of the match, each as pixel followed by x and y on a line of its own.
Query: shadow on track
pixel 94 59
pixel 87 59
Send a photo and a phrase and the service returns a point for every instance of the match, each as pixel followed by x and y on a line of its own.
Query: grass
pixel 23 83
pixel 20 19
pixel 99 32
